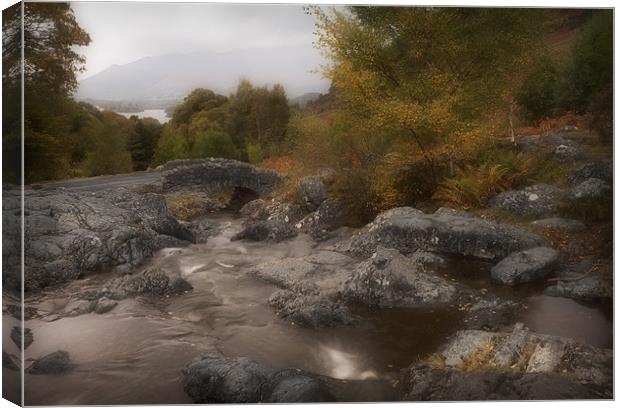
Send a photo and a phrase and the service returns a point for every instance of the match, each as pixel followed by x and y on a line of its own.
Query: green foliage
pixel 472 186
pixel 143 140
pixel 249 125
pixel 579 82
pixel 214 144
pixel 254 152
pixel 537 95
pixel 109 154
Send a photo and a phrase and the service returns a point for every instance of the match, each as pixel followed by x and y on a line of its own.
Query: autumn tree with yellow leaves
pixel 432 84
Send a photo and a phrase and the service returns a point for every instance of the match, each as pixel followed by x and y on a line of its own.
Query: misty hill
pixel 173 76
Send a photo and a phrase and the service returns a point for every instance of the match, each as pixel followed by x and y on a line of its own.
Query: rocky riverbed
pixel 281 302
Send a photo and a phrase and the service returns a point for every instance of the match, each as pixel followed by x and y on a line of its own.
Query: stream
pixel 135 353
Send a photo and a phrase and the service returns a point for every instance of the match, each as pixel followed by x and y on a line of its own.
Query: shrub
pixel 254 152
pixel 472 186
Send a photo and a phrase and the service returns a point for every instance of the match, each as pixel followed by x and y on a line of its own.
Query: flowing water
pixel 135 353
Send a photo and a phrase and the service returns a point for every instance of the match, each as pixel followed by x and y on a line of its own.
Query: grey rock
pixel 602 170
pixel 216 175
pixel 216 379
pixel 71 234
pixel 151 281
pixel 568 152
pixel 8 361
pixel 202 229
pixel 270 230
pixel 538 200
pixel 562 224
pixel 276 210
pixel 104 305
pixel 312 191
pixel 591 188
pixel 16 336
pixel 305 305
pixel 408 230
pixel 428 259
pixel 491 313
pixel 389 279
pixel 591 289
pixel 330 215
pixel 424 383
pixel 79 307
pixel 58 362
pixel 525 266
pixel 531 352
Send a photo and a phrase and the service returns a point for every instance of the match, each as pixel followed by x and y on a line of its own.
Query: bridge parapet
pixel 215 174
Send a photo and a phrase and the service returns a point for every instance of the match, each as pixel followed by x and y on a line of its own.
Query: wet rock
pixel 293 387
pixel 326 269
pixel 58 362
pixel 506 365
pixel 104 305
pixel 306 305
pixel 389 279
pixel 428 259
pixel 330 215
pixel 591 289
pixel 216 175
pixel 79 307
pixel 202 229
pixel 16 336
pixel 8 361
pixel 216 379
pixel 253 208
pixel 602 170
pixel 270 230
pixel 525 266
pixel 591 188
pixel 430 384
pixel 151 281
pixel 71 234
pixel 538 200
pixel 562 224
pixel 491 313
pixel 312 191
pixel 407 230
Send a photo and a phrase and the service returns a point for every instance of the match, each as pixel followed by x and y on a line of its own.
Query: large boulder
pixel 270 230
pixel 309 288
pixel 389 279
pixel 330 215
pixel 306 305
pixel 312 191
pixel 213 378
pixel 216 175
pixel 591 188
pixel 525 266
pixel 538 200
pixel 271 210
pixel 407 230
pixel 477 364
pixel 71 234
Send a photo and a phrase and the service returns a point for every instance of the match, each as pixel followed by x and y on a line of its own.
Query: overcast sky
pixel 125 32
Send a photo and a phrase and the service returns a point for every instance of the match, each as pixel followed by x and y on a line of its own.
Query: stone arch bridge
pixel 215 174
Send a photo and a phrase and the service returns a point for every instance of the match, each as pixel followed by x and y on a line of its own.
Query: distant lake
pixel 159 114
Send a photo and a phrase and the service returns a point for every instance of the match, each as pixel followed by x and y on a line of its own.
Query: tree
pixel 417 91
pixel 143 141
pixel 51 34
